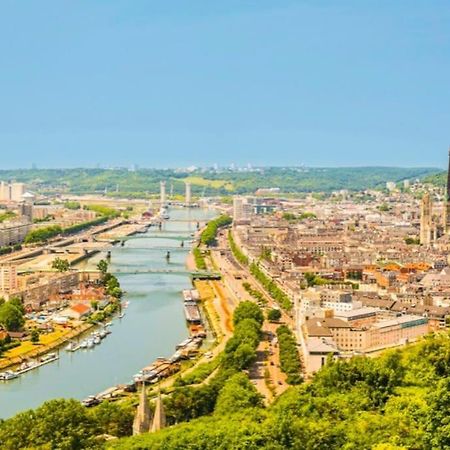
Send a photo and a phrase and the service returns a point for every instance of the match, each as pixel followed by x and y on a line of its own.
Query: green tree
pixel 35 336
pixel 113 418
pixel 274 315
pixel 61 265
pixel 102 266
pixel 57 424
pixel 248 310
pixel 238 393
pixel 11 317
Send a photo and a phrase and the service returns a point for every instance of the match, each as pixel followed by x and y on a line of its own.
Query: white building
pixel 163 197
pixel 17 191
pixel 11 191
pixel 188 197
pixel 241 209
pixel 390 186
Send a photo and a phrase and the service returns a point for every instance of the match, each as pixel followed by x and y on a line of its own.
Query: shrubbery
pixel 272 288
pixel 236 250
pixel 257 295
pixel 200 262
pixel 209 234
pixel 42 234
pixel 289 356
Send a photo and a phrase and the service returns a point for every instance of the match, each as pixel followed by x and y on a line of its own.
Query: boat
pixel 49 357
pixel 108 324
pixel 97 340
pixel 72 346
pixel 121 315
pixel 83 344
pixel 103 334
pixel 92 400
pixel 90 343
pixel 26 367
pixel 8 375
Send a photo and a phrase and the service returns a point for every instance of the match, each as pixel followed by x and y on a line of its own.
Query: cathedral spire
pixel 447 199
pixel 159 418
pixel 143 418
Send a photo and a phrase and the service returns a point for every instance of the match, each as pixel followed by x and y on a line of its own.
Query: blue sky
pixel 174 83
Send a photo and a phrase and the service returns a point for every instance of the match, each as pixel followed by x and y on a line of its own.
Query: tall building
pixel 11 191
pixel 447 200
pixel 17 191
pixel 426 220
pixel 5 192
pixel 8 279
pixel 163 197
pixel 143 419
pixel 239 208
pixel 14 232
pixel 188 197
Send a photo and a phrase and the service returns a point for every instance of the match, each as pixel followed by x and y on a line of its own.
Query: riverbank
pixel 153 325
pixel 18 355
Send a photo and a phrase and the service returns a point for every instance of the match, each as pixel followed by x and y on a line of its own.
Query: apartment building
pixel 14 232
pixel 8 279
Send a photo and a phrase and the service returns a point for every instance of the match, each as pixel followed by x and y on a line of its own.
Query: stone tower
pixel 143 418
pixel 447 200
pixel 159 418
pixel 188 197
pixel 163 193
pixel 426 220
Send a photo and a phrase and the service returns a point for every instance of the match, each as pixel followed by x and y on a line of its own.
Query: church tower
pixel 426 220
pixel 143 418
pixel 159 418
pixel 447 200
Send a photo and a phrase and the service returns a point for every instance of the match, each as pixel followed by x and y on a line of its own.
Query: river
pixel 153 324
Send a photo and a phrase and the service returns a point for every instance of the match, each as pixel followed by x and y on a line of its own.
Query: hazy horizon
pixel 131 168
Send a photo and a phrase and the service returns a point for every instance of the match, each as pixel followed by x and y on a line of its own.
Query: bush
pixel 240 257
pixel 42 234
pixel 200 262
pixel 209 234
pixel 272 288
pixel 289 357
pixel 274 315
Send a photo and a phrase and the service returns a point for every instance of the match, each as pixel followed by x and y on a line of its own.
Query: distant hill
pixel 438 179
pixel 209 182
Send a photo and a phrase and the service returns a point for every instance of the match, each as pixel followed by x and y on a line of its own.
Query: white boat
pixel 49 357
pixel 97 340
pixel 83 344
pixel 90 401
pixel 103 334
pixel 90 343
pixel 72 347
pixel 121 316
pixel 8 375
pixel 26 367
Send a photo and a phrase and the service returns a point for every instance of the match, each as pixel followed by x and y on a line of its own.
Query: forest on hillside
pixel 399 400
pixel 145 182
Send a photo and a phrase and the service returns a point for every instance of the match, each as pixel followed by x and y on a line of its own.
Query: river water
pixel 153 324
